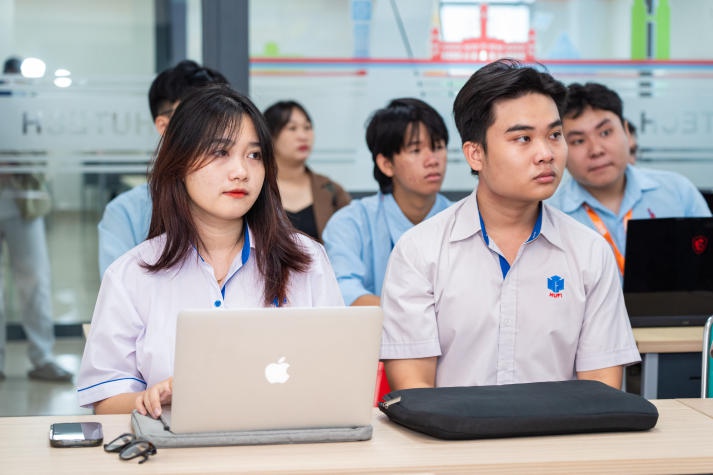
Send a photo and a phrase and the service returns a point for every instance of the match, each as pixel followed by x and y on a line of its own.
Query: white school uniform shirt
pixel 133 333
pixel 558 310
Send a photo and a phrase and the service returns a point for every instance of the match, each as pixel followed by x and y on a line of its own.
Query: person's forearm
pixel 612 376
pixel 411 373
pixel 119 404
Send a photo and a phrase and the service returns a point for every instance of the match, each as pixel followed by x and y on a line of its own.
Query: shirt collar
pixel 573 195
pixel 548 229
pixel 396 220
pixel 637 180
pixel 465 226
pixel 637 183
pixel 248 244
pixel 535 230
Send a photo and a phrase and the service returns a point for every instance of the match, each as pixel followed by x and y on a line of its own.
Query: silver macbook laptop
pixel 274 368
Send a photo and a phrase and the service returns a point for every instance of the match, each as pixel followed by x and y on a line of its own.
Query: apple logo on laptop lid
pixel 276 373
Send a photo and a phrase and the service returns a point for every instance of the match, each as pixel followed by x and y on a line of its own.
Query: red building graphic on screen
pixel 482 48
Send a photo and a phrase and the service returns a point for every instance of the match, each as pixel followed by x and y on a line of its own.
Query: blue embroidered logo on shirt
pixel 556 285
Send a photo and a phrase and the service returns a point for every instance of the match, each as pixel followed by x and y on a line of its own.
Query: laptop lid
pixel 275 368
pixel 668 273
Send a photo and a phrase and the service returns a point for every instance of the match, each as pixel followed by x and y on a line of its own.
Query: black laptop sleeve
pixel 530 409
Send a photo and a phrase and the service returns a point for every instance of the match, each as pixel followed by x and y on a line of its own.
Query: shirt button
pixel 217 303
pixel 508 322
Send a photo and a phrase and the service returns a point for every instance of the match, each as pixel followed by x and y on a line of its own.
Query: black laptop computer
pixel 668 273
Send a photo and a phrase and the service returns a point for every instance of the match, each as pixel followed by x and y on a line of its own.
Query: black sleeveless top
pixel 304 221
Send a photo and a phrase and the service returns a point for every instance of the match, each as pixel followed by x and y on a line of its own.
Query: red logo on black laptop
pixel 699 244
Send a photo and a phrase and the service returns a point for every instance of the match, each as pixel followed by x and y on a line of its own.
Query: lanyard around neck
pixel 601 227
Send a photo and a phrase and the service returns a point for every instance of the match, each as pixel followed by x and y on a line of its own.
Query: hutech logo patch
pixel 555 285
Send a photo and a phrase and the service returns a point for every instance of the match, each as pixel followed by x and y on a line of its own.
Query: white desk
pixel 653 341
pixel 680 443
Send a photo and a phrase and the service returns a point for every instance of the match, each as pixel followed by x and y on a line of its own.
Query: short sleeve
pixel 347 242
pixel 407 300
pixel 606 337
pixel 124 225
pixel 109 364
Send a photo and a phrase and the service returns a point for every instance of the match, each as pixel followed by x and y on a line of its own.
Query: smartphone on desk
pixel 76 434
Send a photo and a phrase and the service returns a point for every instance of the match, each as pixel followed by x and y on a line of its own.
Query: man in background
pixel 24 202
pixel 407 140
pixel 605 191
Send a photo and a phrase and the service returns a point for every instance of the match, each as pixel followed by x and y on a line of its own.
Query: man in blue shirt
pixel 605 191
pixel 407 140
pixel 127 217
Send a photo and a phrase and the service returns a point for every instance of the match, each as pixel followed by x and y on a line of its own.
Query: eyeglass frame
pixel 131 441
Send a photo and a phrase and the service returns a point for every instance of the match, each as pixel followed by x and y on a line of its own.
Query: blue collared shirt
pixel 649 193
pixel 359 239
pixel 125 224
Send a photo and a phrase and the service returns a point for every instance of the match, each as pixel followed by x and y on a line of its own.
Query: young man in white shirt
pixel 500 288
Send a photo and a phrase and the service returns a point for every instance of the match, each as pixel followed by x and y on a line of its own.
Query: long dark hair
pixel 206 113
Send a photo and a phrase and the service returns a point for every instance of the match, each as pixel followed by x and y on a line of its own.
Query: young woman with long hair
pixel 218 238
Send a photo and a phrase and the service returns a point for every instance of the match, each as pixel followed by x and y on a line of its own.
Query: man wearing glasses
pixel 127 217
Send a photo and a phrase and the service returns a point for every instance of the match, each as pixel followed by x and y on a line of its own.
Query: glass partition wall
pixel 353 56
pixel 74 128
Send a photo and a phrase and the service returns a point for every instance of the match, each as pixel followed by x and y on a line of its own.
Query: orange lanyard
pixel 599 224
